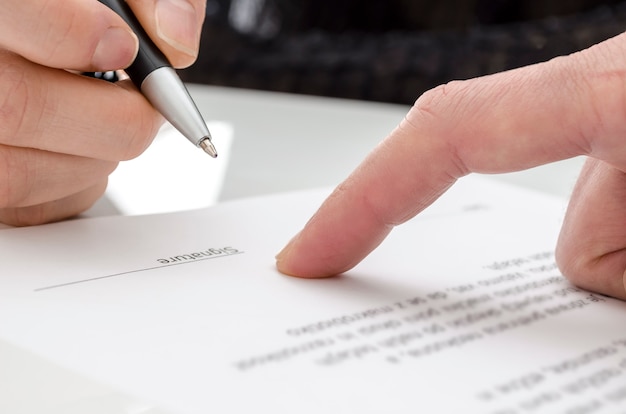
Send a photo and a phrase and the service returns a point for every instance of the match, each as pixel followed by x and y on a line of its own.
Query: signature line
pixel 93 279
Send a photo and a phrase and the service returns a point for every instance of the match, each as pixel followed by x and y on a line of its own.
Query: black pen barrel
pixel 149 57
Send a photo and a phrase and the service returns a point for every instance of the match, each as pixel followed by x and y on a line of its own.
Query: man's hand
pixel 62 134
pixel 569 106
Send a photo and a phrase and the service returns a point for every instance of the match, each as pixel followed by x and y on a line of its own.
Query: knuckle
pixel 570 263
pixel 63 24
pixel 14 178
pixel 595 85
pixel 581 267
pixel 138 141
pixel 425 106
pixel 146 124
pixel 438 101
pixel 433 114
pixel 15 95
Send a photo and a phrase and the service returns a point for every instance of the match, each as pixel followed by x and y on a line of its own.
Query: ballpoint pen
pixel 158 82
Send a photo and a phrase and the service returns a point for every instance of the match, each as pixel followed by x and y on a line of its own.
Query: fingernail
pixel 116 49
pixel 177 25
pixel 280 257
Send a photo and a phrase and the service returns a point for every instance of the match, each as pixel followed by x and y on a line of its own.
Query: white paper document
pixel 462 309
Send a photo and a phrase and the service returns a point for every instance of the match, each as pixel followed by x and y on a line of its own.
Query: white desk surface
pixel 280 142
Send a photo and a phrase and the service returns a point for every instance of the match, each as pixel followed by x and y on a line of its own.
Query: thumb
pixel 174 26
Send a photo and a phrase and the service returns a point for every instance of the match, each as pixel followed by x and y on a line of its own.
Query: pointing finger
pixel 506 122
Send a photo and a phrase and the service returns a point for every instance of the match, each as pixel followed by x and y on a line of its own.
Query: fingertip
pixel 117 48
pixel 291 261
pixel 284 259
pixel 307 256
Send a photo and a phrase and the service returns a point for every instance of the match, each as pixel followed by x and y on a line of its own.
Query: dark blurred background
pixel 388 50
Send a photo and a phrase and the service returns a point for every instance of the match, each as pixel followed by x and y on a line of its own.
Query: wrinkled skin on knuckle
pixel 597 272
pixel 18 114
pixel 14 99
pixel 573 264
pixel 443 102
pixel 441 114
pixel 145 123
pixel 433 117
pixel 142 123
pixel 427 106
pixel 602 88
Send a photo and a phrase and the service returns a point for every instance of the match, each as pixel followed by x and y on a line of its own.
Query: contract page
pixel 462 309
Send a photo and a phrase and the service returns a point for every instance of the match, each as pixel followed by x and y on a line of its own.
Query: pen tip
pixel 208 147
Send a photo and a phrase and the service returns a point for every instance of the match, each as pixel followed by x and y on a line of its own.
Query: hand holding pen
pixel 62 134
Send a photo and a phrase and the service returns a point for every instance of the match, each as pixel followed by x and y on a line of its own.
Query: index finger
pixel 68 34
pixel 506 122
